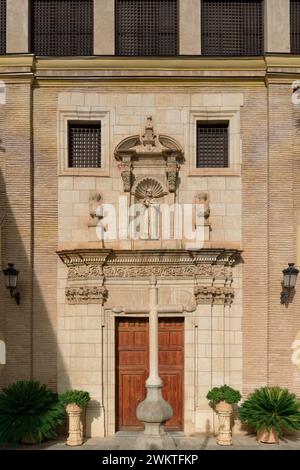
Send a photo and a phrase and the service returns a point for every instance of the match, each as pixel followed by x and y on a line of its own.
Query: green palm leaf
pixel 28 409
pixel 271 407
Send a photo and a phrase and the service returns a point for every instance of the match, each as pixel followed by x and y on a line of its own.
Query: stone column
pixel 277 26
pixel 154 411
pixel 104 27
pixel 190 27
pixel 17 34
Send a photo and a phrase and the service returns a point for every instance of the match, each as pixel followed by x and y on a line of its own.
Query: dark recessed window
pixel 146 27
pixel 2 26
pixel 295 26
pixel 84 145
pixel 62 27
pixel 212 145
pixel 232 27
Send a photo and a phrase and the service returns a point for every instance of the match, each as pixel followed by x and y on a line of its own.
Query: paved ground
pixel 124 441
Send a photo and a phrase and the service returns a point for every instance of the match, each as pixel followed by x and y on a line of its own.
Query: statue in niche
pixel 148 191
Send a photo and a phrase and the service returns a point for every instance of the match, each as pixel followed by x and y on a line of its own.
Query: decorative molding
pixel 86 295
pixel 214 295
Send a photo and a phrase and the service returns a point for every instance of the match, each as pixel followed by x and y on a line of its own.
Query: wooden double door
pixel 132 343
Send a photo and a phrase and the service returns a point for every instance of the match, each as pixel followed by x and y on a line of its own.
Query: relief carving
pixel 202 199
pixel 94 201
pixel 214 295
pixel 147 190
pixel 86 295
pixel 85 272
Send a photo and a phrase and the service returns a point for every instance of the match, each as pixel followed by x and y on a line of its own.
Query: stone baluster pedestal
pixel 224 411
pixel 75 437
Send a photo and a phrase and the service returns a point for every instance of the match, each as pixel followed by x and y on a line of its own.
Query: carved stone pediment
pixel 151 150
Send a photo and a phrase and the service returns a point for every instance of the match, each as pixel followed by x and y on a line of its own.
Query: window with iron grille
pixel 232 27
pixel 212 145
pixel 84 145
pixel 62 27
pixel 146 27
pixel 2 26
pixel 295 26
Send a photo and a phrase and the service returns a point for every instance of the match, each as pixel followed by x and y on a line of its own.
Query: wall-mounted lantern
pixel 11 280
pixel 289 282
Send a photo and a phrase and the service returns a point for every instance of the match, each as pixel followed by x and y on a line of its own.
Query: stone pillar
pixel 104 27
pixel 277 26
pixel 154 411
pixel 17 35
pixel 190 27
pixel 153 378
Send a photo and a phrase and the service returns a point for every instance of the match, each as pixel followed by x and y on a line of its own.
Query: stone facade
pixel 73 286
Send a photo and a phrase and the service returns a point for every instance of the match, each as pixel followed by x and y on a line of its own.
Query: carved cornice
pixel 94 264
pixel 84 257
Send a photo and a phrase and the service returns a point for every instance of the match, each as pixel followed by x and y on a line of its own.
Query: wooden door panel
pixel 172 393
pixel 132 390
pixel 132 340
pixel 138 358
pixel 171 358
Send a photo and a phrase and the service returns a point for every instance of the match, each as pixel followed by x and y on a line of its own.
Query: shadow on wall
pixel 29 330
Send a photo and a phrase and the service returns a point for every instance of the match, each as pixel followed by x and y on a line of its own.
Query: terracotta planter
pixel 224 411
pixel 268 437
pixel 75 414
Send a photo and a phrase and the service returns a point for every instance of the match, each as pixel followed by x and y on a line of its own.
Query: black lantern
pixel 289 282
pixel 11 279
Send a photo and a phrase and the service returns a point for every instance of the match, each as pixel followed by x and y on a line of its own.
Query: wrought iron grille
pixel 212 145
pixel 84 145
pixel 232 27
pixel 146 27
pixel 62 27
pixel 2 26
pixel 295 26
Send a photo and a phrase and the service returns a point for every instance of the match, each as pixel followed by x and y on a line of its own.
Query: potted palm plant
pixel 75 402
pixel 271 411
pixel 29 413
pixel 222 399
